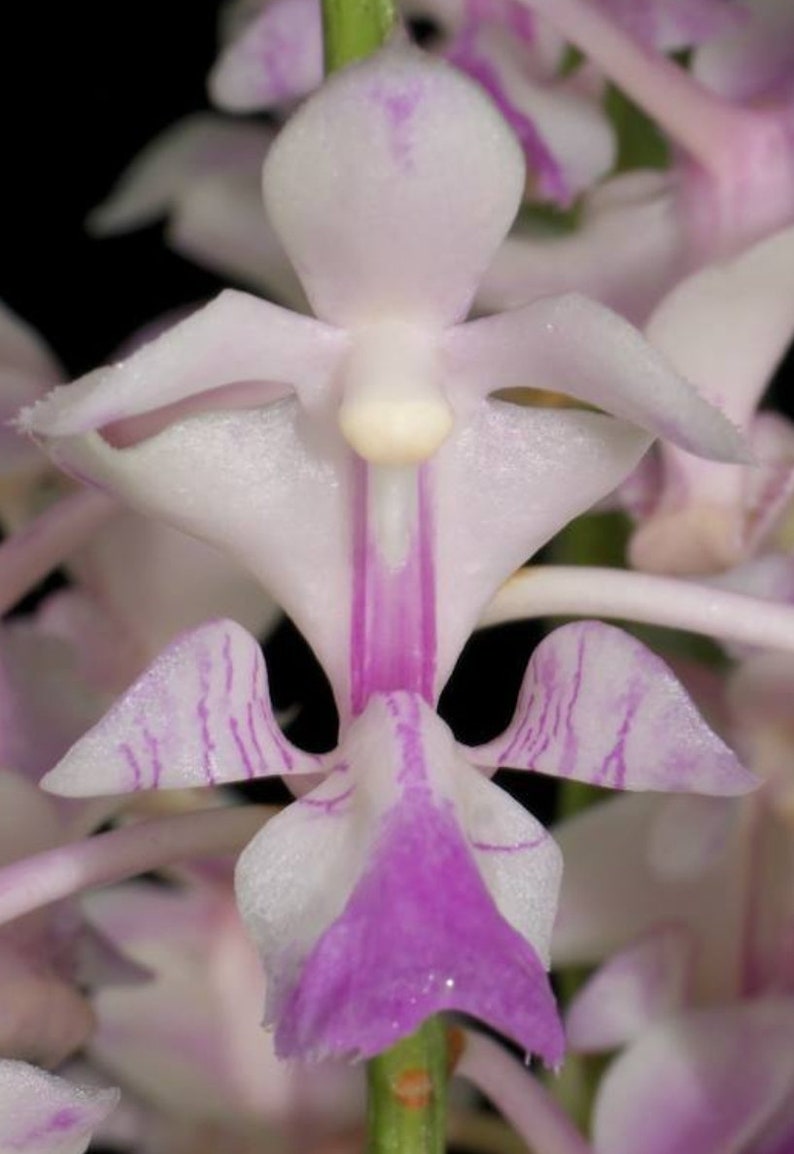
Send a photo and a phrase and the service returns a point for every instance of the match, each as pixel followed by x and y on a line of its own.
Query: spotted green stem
pixel 406 1085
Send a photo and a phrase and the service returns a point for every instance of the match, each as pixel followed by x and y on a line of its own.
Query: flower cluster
pixel 498 329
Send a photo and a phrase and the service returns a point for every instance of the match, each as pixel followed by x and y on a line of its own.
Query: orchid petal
pixel 611 894
pixel 540 468
pixel 42 1114
pixel 197 147
pixel 566 137
pixel 393 853
pixel 27 371
pixel 671 25
pixel 626 252
pixel 574 346
pixel 276 58
pixel 751 299
pixel 22 348
pixel 33 551
pixel 235 338
pixel 44 705
pixel 398 137
pixel 200 715
pixel 581 590
pixel 755 56
pixel 28 818
pixel 272 530
pixel 220 224
pixel 182 584
pixel 190 1041
pixel 685 1086
pixel 690 834
pixel 640 985
pixel 598 706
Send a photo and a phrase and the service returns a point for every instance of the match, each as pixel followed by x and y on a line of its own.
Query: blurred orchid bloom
pixel 731 186
pixel 696 898
pixel 203 173
pixel 355 462
pixel 695 516
pixel 187 1048
pixel 48 959
pixel 275 58
pixel 42 1114
pixel 138 582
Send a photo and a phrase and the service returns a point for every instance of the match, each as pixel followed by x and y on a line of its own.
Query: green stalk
pixel 407 1086
pixel 353 29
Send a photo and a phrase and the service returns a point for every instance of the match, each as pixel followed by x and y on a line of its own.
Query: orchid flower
pixel 701 987
pixel 695 516
pixel 354 463
pixel 186 1048
pixel 732 186
pixel 203 172
pixel 42 1114
pixel 50 958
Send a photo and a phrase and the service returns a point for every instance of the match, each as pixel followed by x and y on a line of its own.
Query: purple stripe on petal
pixel 597 706
pixel 543 166
pixel 199 715
pixel 420 934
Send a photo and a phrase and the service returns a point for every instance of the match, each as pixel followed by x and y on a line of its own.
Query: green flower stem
pixel 354 28
pixel 407 1087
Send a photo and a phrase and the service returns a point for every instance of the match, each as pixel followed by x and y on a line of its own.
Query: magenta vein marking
pixel 427 587
pixel 327 805
pixel 516 847
pixel 234 726
pixel 524 713
pixel 205 684
pixel 569 750
pixel 227 663
pixel 617 755
pixel 153 748
pixel 127 752
pixel 252 733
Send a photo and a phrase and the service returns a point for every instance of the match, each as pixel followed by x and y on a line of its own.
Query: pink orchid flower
pixel 49 958
pixel 203 172
pixel 731 186
pixel 186 1047
pixel 701 988
pixel 695 516
pixel 42 1114
pixel 354 463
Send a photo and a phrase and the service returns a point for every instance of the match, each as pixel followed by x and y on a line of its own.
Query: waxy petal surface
pixel 42 1114
pixel 264 488
pixel 235 339
pixel 418 856
pixel 711 1081
pixel 398 138
pixel 200 715
pixel 598 706
pixel 574 346
pixel 539 468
